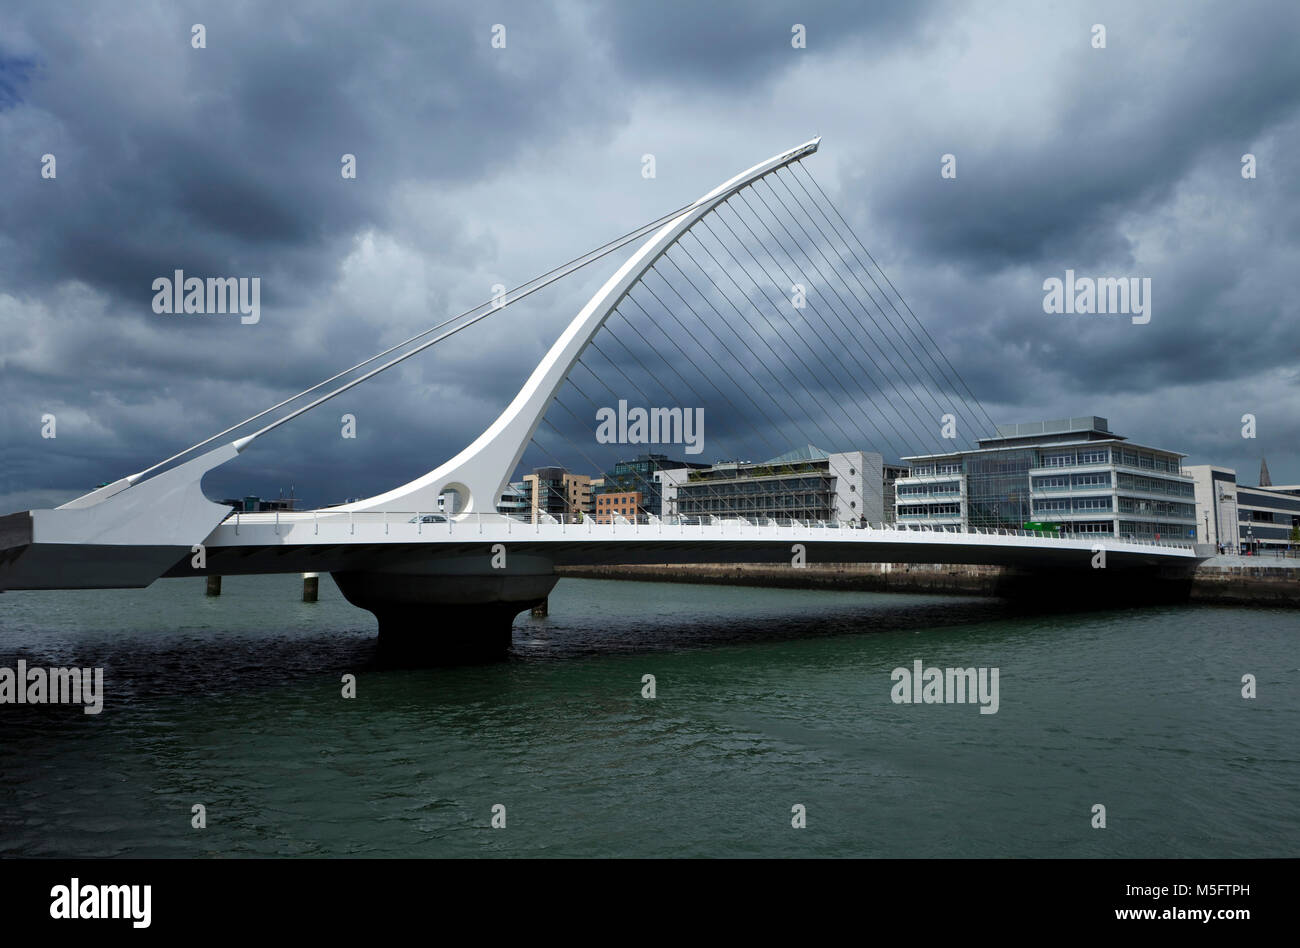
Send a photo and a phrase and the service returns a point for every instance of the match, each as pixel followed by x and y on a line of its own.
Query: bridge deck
pixel 333 541
pixel 322 541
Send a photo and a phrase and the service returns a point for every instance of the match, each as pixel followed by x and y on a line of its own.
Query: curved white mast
pixel 480 472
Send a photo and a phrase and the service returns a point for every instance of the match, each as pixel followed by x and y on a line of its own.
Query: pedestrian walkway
pixel 1266 560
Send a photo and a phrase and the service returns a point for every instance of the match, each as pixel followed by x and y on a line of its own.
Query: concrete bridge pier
pixel 448 611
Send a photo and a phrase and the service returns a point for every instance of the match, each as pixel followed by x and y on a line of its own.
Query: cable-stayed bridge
pixel 757 300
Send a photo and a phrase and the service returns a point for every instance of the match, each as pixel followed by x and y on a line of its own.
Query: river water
pixel 765 699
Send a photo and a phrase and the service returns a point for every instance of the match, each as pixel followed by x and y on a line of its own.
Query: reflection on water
pixel 765 698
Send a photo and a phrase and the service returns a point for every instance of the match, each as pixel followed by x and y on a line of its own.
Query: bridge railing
pixel 407 523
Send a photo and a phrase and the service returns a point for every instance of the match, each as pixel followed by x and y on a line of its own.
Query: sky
pixel 481 164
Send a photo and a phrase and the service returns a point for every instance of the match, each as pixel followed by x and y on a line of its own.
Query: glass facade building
pixel 515 500
pixel 1074 474
pixel 638 476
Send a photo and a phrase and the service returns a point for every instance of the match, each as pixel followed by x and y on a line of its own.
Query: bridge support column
pixel 214 586
pixel 448 611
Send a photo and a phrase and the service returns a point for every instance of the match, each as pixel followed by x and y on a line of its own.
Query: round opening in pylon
pixel 454 499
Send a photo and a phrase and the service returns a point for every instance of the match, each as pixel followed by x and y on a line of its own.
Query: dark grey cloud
pixel 726 46
pixel 206 158
pixel 479 166
pixel 1116 140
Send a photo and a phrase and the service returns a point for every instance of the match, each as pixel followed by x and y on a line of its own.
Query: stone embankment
pixel 1220 580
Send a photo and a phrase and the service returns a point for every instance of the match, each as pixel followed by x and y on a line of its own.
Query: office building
pixel 892 473
pixel 667 480
pixel 554 492
pixel 1074 474
pixel 639 476
pixel 629 504
pixel 808 484
pixel 1241 517
pixel 515 501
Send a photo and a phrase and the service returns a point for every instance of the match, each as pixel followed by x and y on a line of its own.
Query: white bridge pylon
pixel 480 472
pixel 128 532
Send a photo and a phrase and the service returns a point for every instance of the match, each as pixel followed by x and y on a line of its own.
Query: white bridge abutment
pixel 447 611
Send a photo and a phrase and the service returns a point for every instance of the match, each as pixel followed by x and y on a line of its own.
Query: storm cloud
pixel 479 166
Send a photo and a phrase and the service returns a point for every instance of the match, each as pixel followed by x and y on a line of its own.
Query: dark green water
pixel 765 699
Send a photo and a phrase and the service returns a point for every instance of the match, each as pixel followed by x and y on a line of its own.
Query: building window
pixel 1096 456
pixel 1103 527
pixel 1101 479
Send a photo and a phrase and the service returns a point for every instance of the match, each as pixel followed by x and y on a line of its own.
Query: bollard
pixel 214 585
pixel 310 586
pixel 540 610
